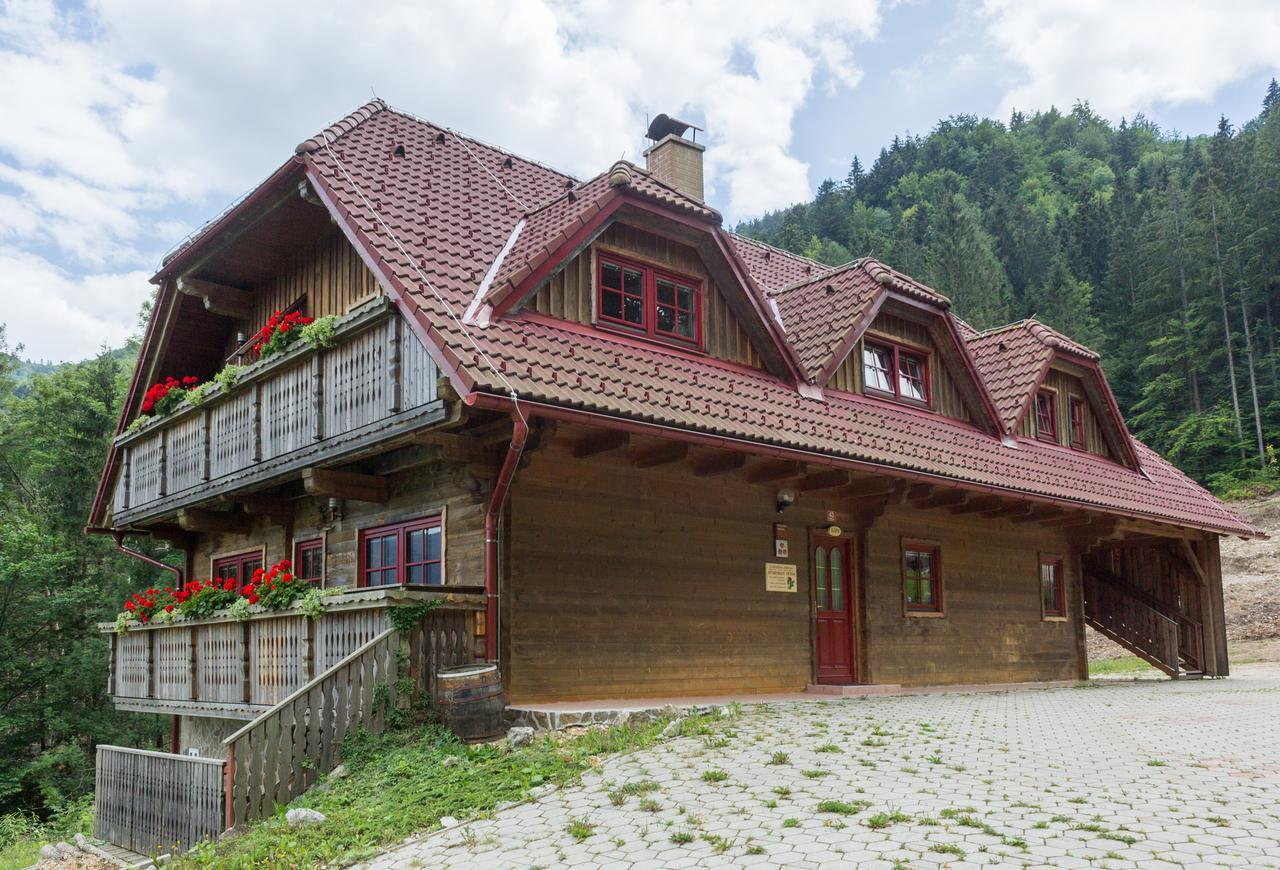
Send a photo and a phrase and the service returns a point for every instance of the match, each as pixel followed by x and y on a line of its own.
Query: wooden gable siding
pixel 328 272
pixel 1066 385
pixel 945 393
pixel 570 294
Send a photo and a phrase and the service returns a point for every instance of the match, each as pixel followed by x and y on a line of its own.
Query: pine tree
pixel 961 262
pixel 1273 94
pixel 856 174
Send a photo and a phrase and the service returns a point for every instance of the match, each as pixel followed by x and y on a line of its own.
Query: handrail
pixel 361 317
pixel 355 654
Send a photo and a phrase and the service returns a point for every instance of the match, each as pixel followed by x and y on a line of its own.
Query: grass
pixel 580 829
pixel 714 776
pixel 779 758
pixel 947 849
pixel 884 820
pixel 22 834
pixel 1124 667
pixel 844 808
pixel 396 785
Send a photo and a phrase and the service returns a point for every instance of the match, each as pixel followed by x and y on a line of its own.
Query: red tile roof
pixel 452 204
pixel 1011 360
pixel 819 315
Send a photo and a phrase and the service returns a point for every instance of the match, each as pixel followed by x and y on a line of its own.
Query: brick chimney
pixel 674 159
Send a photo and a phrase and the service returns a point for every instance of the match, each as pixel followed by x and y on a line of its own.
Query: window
pixel 895 371
pixel 406 553
pixel 239 568
pixel 1053 600
pixel 656 303
pixel 830 577
pixel 1077 422
pixel 1046 416
pixel 922 582
pixel 308 560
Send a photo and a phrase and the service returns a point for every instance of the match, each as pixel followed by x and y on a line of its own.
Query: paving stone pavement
pixel 1168 774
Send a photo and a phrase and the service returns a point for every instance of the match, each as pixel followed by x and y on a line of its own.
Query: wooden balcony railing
pixel 284 413
pixel 156 802
pixel 239 669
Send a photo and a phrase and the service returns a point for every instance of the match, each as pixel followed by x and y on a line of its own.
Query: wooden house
pixel 634 454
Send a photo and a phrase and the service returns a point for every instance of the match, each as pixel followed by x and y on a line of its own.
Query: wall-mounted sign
pixel 779 577
pixel 834 531
pixel 831 516
pixel 781 545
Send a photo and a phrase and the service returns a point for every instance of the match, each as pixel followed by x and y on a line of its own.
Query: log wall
pixel 1064 386
pixel 328 275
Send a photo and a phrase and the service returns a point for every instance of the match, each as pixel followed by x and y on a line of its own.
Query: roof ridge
pixel 658 181
pixel 568 192
pixel 342 126
pixel 1045 334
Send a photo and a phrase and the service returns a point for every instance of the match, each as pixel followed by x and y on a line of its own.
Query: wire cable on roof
pixel 413 262
pixel 495 178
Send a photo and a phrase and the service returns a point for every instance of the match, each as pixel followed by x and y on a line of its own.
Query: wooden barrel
pixel 471 703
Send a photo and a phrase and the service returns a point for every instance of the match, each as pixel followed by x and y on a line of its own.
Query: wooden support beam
pixel 870 488
pixel 1039 514
pixel 219 298
pixel 661 454
pixel 197 520
pixel 946 498
pixel 719 463
pixel 1069 520
pixel 770 472
pixel 455 447
pixel 976 505
pixel 823 480
pixel 1193 562
pixel 278 509
pixel 919 491
pixel 1017 509
pixel 326 482
pixel 600 442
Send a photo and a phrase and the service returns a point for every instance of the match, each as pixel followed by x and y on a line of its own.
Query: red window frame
pixel 934 552
pixel 302 550
pixel 243 563
pixel 649 278
pixel 1054 604
pixel 396 561
pixel 896 353
pixel 1075 406
pixel 1046 416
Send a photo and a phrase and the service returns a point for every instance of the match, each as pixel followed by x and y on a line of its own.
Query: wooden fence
pixel 281 754
pixel 282 408
pixel 1136 625
pixel 156 802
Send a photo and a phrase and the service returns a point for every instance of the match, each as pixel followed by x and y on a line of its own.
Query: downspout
pixel 143 557
pixel 492 516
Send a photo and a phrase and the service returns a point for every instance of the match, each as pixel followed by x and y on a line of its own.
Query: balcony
pixel 304 407
pixel 235 669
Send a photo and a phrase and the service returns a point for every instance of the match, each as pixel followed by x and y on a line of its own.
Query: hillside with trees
pixel 1161 252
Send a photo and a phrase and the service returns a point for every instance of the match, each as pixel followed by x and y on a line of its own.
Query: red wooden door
pixel 833 629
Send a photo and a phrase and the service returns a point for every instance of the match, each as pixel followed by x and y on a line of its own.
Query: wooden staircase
pixel 1149 628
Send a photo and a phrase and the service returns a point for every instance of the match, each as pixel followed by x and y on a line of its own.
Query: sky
pixel 125 125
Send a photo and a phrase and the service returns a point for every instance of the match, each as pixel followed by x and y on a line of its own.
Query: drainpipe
pixel 519 434
pixel 119 538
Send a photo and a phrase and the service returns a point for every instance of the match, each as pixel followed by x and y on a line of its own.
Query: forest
pixel 1161 252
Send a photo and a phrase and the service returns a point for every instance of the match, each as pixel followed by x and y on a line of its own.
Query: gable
pixel 570 294
pixel 946 397
pixel 1063 385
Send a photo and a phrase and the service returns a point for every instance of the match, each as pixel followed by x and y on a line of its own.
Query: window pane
pixel 611 304
pixel 666 292
pixel 414 573
pixel 389 550
pixel 433 544
pixel 875 368
pixel 820 569
pixel 413 542
pixel 837 579
pixel 611 276
pixel 910 377
pixel 633 310
pixel 633 282
pixel 373 553
pixel 684 325
pixel 433 574
pixel 919 578
pixel 666 318
pixel 684 299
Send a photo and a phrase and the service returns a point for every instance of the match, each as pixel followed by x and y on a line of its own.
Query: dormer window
pixel 1077 422
pixel 652 302
pixel 1046 416
pixel 894 371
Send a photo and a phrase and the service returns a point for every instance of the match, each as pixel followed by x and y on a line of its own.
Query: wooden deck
pixel 288 412
pixel 238 670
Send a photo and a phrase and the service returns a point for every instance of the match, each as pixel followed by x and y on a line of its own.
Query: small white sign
pixel 781 549
pixel 779 577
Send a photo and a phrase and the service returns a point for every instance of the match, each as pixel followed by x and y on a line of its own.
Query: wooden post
pixel 257 422
pixel 127 474
pixel 309 650
pixel 193 675
pixel 395 365
pixel 228 786
pixel 206 445
pixel 317 397
pixel 162 466
pixel 112 664
pixel 151 664
pixel 1213 613
pixel 1076 561
pixel 246 689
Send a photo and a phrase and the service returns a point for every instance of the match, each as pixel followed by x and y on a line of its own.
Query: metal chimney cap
pixel 664 125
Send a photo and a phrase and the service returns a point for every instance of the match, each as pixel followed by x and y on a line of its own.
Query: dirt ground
pixel 1250 570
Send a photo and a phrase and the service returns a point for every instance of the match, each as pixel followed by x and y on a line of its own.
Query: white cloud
pixel 122 114
pixel 60 316
pixel 1125 57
